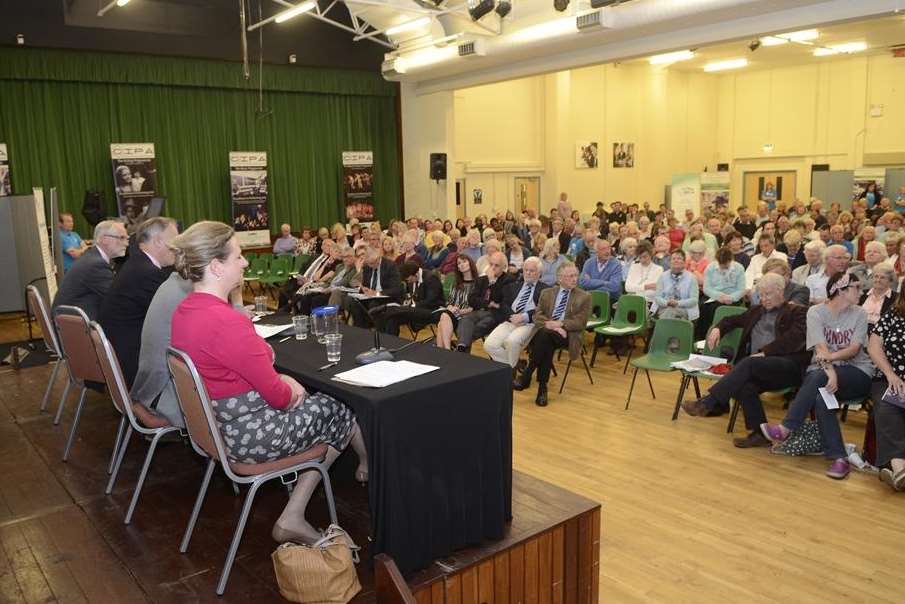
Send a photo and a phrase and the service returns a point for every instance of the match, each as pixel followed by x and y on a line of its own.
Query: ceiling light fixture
pixel 671 57
pixel 107 7
pixel 724 65
pixel 410 25
pixel 295 11
pixel 836 49
pixel 549 29
pixel 122 2
pixel 803 36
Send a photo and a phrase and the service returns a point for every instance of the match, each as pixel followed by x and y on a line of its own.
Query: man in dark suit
pixel 426 297
pixel 123 310
pixel 380 277
pixel 506 342
pixel 486 300
pixel 561 317
pixel 86 284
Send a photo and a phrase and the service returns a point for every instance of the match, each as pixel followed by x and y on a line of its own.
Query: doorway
pixel 769 187
pixel 527 194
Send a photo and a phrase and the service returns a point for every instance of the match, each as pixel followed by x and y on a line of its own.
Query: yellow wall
pixel 679 120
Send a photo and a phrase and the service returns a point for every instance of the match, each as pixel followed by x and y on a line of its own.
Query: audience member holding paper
pixel 419 311
pixel 772 356
pixel 837 333
pixel 380 284
pixel 643 273
pixel 263 416
pixel 887 351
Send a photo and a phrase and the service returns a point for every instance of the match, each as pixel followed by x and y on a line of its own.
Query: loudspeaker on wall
pixel 438 166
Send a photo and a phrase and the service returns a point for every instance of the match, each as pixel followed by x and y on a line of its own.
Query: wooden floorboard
pixel 686 517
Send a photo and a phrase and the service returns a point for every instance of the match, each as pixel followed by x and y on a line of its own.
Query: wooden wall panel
pixel 531 572
pixel 485 583
pixel 501 578
pixel 517 574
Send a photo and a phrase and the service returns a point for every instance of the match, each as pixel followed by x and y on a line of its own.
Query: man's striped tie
pixel 527 290
pixel 561 307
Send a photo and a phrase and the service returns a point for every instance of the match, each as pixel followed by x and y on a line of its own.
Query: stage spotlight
pixel 479 8
pixel 503 8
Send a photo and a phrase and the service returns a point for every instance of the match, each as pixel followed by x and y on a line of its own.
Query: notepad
pixel 383 373
pixel 698 362
pixel 268 331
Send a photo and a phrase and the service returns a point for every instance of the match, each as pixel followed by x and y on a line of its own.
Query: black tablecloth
pixel 440 445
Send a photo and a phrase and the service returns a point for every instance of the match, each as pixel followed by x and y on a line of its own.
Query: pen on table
pixel 284 339
pixel 328 366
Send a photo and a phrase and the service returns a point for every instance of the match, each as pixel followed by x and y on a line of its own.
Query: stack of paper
pixel 365 297
pixel 698 362
pixel 383 373
pixel 267 331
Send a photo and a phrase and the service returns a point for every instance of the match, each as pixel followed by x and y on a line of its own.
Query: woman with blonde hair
pixel 263 416
pixel 550 260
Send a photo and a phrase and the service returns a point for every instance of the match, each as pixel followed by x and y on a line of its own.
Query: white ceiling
pixel 879 34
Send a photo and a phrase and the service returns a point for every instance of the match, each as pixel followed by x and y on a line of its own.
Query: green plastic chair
pixel 278 271
pixel 672 342
pixel 726 348
pixel 600 310
pixel 448 281
pixel 630 320
pixel 300 261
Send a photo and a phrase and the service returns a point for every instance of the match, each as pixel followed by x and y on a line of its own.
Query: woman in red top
pixel 262 415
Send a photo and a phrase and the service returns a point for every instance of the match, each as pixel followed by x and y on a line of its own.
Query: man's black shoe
pixel 541 400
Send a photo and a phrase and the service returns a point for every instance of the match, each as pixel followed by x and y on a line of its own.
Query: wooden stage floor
pixel 686 517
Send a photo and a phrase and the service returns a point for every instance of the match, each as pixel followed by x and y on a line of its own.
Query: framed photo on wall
pixel 623 155
pixel 586 154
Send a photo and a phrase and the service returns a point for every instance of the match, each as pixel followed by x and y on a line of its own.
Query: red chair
pixel 207 441
pixel 138 417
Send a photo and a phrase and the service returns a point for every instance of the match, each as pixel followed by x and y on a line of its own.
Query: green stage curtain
pixel 58 117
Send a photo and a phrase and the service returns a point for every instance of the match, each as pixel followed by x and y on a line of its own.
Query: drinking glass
pixel 260 303
pixel 334 346
pixel 318 325
pixel 300 325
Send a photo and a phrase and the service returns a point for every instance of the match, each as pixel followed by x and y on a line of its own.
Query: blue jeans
pixel 852 384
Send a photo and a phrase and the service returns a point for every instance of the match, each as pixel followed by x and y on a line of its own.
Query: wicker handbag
pixel 322 573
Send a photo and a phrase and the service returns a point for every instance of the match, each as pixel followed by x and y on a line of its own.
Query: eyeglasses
pixel 120 237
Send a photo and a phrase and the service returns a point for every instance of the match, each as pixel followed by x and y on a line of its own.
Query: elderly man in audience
pixel 285 244
pixel 724 283
pixel 644 273
pixel 602 272
pixel 676 296
pixel 506 342
pixel 589 247
pixel 486 301
pixel 755 269
pixel 794 293
pixel 813 255
pixel 419 309
pixel 380 282
pixel 837 334
pixel 697 232
pixel 835 260
pixel 561 317
pixel 123 310
pixel 491 247
pixel 887 351
pixel 437 252
pixel 771 356
pixel 86 284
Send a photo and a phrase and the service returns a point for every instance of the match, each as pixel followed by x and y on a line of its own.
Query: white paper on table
pixel 383 373
pixel 829 399
pixel 360 296
pixel 268 331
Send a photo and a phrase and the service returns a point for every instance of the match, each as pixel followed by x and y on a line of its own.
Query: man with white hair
pixel 813 255
pixel 86 284
pixel 487 301
pixel 835 260
pixel 771 356
pixel 506 342
pixel 285 244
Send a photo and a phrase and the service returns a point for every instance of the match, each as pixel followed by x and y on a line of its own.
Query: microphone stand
pixel 378 352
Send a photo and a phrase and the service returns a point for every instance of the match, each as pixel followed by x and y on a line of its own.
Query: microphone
pixel 377 352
